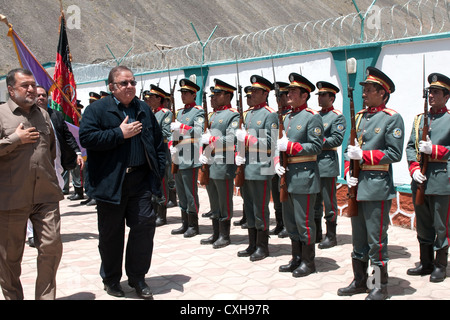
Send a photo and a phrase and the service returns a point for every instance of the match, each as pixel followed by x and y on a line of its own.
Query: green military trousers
pixel 326 198
pixel 298 217
pixel 220 194
pixel 256 195
pixel 187 190
pixel 369 232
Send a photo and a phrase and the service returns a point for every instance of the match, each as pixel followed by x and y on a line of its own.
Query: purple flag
pixel 28 61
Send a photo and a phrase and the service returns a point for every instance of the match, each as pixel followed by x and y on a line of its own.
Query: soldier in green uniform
pixel 187 130
pixel 379 144
pixel 302 142
pixel 334 126
pixel 219 153
pixel 172 198
pixel 280 229
pixel 260 121
pixel 433 215
pixel 154 99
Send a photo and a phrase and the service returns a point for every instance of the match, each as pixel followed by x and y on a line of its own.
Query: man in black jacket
pixel 127 158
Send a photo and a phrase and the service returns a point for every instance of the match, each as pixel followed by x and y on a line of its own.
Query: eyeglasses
pixel 125 83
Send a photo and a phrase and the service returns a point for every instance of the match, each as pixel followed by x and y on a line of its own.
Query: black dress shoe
pixel 114 290
pixel 142 289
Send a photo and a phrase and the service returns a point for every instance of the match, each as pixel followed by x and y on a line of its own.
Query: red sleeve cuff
pixel 346 167
pixel 184 128
pixel 438 152
pixel 372 157
pixel 293 148
pixel 250 140
pixel 413 166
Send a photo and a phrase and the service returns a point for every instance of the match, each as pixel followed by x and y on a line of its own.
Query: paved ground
pixel 182 269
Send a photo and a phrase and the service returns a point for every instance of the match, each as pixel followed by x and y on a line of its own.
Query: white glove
pixel 205 160
pixel 279 170
pixel 354 152
pixel 175 126
pixel 351 181
pixel 419 177
pixel 173 150
pixel 240 160
pixel 426 146
pixel 282 143
pixel 205 137
pixel 241 134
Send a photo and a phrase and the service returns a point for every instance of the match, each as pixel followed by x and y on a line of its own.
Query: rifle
pixel 203 174
pixel 420 193
pixel 240 172
pixel 174 168
pixel 354 164
pixel 283 185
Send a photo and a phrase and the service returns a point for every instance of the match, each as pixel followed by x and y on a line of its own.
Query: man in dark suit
pixel 126 153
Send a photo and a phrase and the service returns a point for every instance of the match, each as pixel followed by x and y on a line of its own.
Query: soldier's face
pixel 188 97
pixel 296 98
pixel 372 97
pixel 258 96
pixel 436 98
pixel 325 100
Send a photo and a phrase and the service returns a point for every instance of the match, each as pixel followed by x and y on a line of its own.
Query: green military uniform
pixel 380 133
pixel 334 125
pixel 192 119
pixel 433 215
pixel 279 229
pixel 304 131
pixel 260 121
pixel 223 123
pixel 164 117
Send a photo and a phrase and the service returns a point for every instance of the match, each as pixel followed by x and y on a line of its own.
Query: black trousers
pixel 135 211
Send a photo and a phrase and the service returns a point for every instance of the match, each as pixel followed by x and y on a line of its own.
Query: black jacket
pixel 67 143
pixel 108 151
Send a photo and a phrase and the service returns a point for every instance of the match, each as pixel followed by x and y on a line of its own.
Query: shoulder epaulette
pixel 338 112
pixel 311 110
pixel 362 111
pixel 198 107
pixel 390 112
pixel 269 109
pixel 233 110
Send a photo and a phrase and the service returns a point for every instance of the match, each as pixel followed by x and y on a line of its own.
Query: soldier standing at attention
pixel 260 121
pixel 187 130
pixel 155 99
pixel 379 144
pixel 433 215
pixel 334 126
pixel 280 229
pixel 302 142
pixel 220 141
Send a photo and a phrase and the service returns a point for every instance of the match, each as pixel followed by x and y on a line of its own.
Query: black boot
pixel 283 233
pixel 426 261
pixel 192 229
pixel 440 265
pixel 330 237
pixel 318 223
pixel 380 291
pixel 161 214
pixel 172 198
pixel 251 244
pixel 215 234
pixel 296 258
pixel 359 283
pixel 78 195
pixel 224 234
pixel 262 245
pixel 184 224
pixel 307 265
pixel 280 225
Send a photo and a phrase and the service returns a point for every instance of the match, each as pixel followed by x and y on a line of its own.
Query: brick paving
pixel 182 269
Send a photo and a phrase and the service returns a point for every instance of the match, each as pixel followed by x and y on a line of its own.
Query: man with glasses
pixel 378 145
pixel 29 188
pixel 125 148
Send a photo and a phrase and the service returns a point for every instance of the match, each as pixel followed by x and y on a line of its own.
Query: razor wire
pixel 412 19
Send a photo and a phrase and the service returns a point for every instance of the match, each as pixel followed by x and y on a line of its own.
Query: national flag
pixel 64 79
